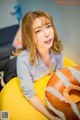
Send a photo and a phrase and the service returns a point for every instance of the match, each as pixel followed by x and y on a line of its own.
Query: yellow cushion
pixel 13 100
pixel 0 100
pixel 68 62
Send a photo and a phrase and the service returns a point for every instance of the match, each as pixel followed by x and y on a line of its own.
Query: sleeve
pixel 23 72
pixel 59 62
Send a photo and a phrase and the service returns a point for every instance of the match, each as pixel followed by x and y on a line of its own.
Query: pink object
pixel 17 42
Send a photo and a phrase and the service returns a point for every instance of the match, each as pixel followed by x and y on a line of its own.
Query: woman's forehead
pixel 41 21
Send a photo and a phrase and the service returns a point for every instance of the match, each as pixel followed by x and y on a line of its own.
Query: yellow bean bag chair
pixel 0 100
pixel 13 101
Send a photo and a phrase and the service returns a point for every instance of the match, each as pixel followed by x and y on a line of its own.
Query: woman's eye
pixel 38 31
pixel 48 26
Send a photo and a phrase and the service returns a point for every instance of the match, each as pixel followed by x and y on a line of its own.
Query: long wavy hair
pixel 28 42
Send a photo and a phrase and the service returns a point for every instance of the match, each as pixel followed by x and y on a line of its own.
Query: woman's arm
pixel 27 86
pixel 35 101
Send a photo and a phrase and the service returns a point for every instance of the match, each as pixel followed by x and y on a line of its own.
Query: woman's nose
pixel 46 33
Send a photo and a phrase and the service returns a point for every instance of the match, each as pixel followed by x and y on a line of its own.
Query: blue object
pixel 18 12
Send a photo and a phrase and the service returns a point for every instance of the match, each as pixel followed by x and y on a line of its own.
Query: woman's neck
pixel 44 53
pixel 45 56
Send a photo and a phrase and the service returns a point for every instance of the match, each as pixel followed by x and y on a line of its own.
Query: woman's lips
pixel 48 41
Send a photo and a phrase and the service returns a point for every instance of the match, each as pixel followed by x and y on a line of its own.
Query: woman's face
pixel 43 33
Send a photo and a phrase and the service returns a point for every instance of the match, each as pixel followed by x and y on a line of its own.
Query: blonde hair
pixel 28 41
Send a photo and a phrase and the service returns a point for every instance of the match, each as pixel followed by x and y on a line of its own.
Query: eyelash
pixel 38 31
pixel 49 26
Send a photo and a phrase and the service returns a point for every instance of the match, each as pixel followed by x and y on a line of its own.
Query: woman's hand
pixel 54 118
pixel 36 102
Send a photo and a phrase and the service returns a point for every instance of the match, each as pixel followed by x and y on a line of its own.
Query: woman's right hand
pixel 54 118
pixel 57 118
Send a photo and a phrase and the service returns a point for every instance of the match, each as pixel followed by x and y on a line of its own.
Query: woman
pixel 41 55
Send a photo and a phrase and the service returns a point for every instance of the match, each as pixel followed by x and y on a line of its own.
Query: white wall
pixel 6 19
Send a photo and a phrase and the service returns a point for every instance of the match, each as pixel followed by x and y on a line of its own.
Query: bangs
pixel 45 20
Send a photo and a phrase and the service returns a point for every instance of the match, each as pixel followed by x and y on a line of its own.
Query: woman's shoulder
pixel 23 55
pixel 59 55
